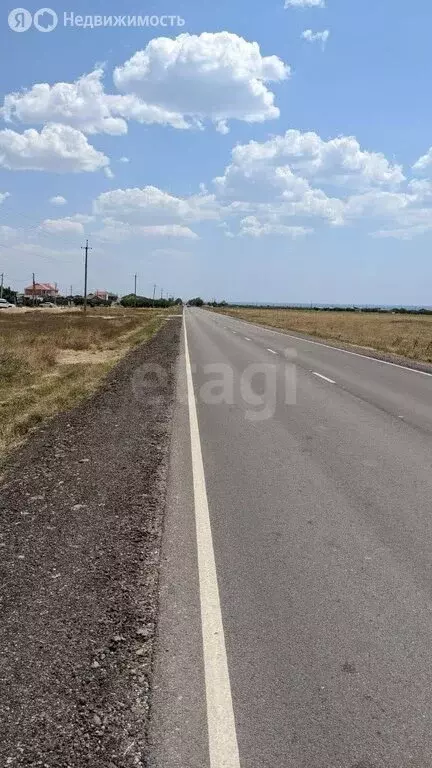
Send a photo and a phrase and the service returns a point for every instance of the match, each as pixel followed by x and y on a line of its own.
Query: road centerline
pixel 223 746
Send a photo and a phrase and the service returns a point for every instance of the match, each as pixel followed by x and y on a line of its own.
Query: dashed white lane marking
pixel 223 747
pixel 330 381
pixel 247 338
pixel 335 349
pixel 271 350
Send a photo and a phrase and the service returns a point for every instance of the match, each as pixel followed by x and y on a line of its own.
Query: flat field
pixel 51 360
pixel 403 335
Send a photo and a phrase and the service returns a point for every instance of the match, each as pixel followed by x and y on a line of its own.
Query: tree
pixel 9 294
pixel 198 302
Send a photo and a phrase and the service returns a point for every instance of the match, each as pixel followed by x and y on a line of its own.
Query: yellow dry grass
pixel 407 336
pixel 51 360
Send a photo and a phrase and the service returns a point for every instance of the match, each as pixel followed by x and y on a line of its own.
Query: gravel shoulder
pixel 81 519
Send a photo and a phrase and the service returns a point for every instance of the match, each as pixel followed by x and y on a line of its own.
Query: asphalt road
pixel 318 471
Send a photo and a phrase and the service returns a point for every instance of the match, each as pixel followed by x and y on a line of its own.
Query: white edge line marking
pixel 336 349
pixel 330 381
pixel 223 747
pixel 271 350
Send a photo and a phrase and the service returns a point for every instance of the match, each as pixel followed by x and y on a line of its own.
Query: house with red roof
pixel 41 291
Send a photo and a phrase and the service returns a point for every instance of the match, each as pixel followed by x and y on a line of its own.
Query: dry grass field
pixel 407 336
pixel 51 360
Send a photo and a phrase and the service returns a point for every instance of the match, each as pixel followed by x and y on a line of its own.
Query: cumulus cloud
pixel 216 76
pixel 316 37
pixel 178 82
pixel 151 205
pixel 292 179
pixel 339 161
pixel 3 196
pixel 83 105
pixel 405 214
pixel 305 4
pixel 62 226
pixel 57 148
pixel 58 200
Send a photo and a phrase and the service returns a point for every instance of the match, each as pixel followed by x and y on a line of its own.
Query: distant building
pixel 41 291
pixel 100 294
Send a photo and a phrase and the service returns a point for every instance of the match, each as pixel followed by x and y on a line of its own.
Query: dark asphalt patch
pixel 81 515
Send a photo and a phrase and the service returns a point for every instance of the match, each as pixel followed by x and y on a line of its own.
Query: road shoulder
pixel 178 723
pixel 81 513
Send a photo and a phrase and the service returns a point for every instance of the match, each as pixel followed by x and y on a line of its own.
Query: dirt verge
pixel 81 512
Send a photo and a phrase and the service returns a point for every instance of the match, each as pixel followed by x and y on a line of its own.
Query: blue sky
pixel 294 169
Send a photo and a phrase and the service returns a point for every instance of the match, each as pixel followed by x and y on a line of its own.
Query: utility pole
pixel 161 293
pixel 135 288
pixel 34 290
pixel 55 294
pixel 85 248
pixel 154 291
pixel 1 285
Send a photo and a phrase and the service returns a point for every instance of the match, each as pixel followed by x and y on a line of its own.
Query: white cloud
pixel 117 231
pixel 83 105
pixel 255 228
pixel 177 82
pixel 377 204
pixel 316 37
pixel 424 162
pixel 167 230
pixel 339 161
pixel 405 214
pixel 58 200
pixel 83 218
pixel 124 160
pixel 4 196
pixel 62 226
pixel 275 183
pixel 151 205
pixel 305 4
pixel 216 76
pixel 57 148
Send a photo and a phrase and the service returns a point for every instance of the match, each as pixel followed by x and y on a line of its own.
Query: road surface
pixel 296 615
